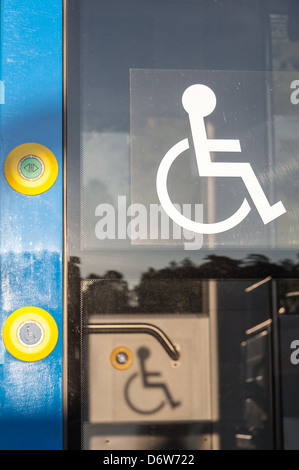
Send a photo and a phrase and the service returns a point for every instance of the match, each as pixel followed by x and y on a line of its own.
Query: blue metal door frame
pixel 31 227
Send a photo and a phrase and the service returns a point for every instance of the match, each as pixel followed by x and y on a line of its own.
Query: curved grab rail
pixel 147 328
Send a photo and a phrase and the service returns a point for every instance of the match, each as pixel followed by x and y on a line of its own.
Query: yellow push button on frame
pixel 30 334
pixel 31 169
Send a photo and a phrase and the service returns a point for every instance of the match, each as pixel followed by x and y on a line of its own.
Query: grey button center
pixel 30 333
pixel 121 358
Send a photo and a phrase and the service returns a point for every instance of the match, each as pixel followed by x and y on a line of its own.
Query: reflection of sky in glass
pixel 106 161
pixel 106 175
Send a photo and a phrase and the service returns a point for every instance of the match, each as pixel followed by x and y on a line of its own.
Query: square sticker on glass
pixel 212 152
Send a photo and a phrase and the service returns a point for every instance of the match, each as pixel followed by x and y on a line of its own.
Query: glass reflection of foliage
pixel 178 287
pixel 173 289
pixel 107 294
pixel 254 266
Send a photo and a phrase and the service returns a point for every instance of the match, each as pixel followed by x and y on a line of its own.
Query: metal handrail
pixel 147 328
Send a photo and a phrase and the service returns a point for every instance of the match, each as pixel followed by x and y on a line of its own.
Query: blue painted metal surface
pixel 31 227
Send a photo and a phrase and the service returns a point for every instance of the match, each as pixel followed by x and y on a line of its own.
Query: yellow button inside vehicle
pixel 121 358
pixel 30 334
pixel 31 169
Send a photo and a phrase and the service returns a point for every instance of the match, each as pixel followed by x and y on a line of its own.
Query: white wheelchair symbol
pixel 200 101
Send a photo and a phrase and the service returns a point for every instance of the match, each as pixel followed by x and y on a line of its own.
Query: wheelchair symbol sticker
pixel 199 101
pixel 143 377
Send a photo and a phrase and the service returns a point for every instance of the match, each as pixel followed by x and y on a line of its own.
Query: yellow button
pixel 121 358
pixel 30 334
pixel 31 168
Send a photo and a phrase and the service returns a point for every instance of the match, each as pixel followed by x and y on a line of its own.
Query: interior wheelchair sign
pixel 143 353
pixel 221 140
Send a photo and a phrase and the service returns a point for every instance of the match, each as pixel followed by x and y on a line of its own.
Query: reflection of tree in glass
pixel 106 294
pixel 220 267
pixel 259 266
pixel 178 287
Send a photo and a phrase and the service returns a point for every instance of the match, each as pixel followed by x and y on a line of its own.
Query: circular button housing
pixel 31 168
pixel 121 358
pixel 30 334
